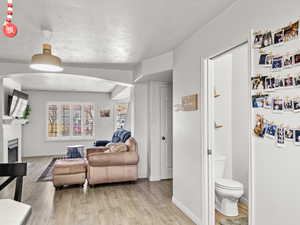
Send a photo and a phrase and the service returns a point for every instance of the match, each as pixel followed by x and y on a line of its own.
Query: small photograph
pixel 267 39
pixel 291 31
pixel 288 60
pixel 288 81
pixel 279 82
pixel 277 104
pixel 297 80
pixel 258 82
pixel 271 130
pixel 269 60
pixel 268 104
pixel 297 58
pixel 105 113
pixel 260 126
pixel 258 101
pixel 263 59
pixel 280 136
pixel 277 63
pixel 257 40
pixel 278 37
pixel 297 137
pixel 296 104
pixel 270 83
pixel 288 104
pixel 122 108
pixel 289 134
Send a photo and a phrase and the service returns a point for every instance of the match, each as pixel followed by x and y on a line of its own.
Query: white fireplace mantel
pixel 10 132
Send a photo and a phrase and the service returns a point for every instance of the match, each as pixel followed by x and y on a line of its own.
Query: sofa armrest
pixel 113 159
pixel 96 150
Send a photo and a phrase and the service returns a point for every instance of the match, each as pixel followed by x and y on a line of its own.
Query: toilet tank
pixel 219 166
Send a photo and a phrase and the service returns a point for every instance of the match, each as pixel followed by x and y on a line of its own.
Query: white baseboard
pixel 244 200
pixel 186 211
pixel 154 179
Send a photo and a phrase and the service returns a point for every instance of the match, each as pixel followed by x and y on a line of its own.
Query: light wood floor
pixel 243 211
pixel 141 203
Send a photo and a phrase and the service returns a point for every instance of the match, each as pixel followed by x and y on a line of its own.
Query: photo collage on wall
pixel 279 37
pixel 279 76
pixel 279 132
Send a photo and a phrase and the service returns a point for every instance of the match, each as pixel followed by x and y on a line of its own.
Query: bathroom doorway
pixel 228 136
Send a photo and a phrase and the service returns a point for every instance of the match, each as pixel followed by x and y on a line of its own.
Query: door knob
pixel 163 138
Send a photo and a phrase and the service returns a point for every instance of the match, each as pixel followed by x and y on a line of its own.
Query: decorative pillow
pixel 117 147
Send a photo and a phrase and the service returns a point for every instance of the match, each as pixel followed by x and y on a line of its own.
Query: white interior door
pixel 166 132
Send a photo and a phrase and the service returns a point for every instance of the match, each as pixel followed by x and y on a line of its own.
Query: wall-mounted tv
pixel 17 104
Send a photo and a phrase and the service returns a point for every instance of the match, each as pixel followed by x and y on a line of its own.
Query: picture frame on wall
pixel 280 136
pixel 291 31
pixel 267 39
pixel 258 101
pixel 190 102
pixel 105 113
pixel 258 37
pixel 297 80
pixel 121 108
pixel 289 134
pixel 121 111
pixel 288 60
pixel 297 137
pixel 288 104
pixel 277 63
pixel 271 130
pixel 288 81
pixel 278 37
pixel 296 104
pixel 277 105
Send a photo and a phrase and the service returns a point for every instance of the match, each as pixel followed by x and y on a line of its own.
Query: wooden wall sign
pixel 190 103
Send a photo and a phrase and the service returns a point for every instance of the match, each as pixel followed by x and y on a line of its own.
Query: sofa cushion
pixel 96 149
pixel 117 147
pixel 113 159
pixel 69 166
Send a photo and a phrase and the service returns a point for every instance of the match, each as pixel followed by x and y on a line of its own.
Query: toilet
pixel 228 192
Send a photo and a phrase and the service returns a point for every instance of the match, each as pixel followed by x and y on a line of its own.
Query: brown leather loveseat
pixel 104 167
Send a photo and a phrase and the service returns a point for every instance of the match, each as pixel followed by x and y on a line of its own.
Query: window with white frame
pixel 66 121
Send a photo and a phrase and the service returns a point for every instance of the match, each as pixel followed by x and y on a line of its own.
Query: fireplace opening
pixel 13 147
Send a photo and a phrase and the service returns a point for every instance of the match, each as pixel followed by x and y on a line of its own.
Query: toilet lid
pixel 228 184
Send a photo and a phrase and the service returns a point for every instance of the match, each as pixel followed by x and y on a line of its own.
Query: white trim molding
pixel 154 179
pixel 187 211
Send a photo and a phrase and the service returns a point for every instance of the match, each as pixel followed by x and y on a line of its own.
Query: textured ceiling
pixel 105 31
pixel 62 82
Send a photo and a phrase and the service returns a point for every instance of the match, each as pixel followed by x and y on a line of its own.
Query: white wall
pixel 154 65
pixel 187 156
pixel 240 117
pixel 228 29
pixel 141 129
pixel 34 133
pixel 223 110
